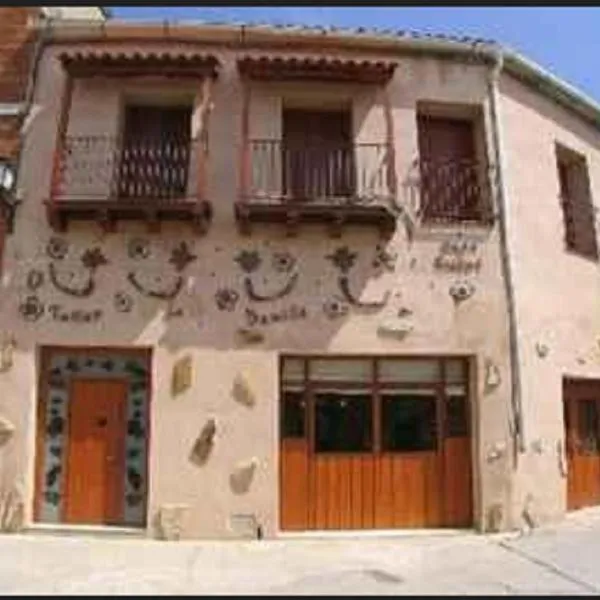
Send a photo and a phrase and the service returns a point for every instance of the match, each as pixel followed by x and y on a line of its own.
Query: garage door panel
pixel 394 455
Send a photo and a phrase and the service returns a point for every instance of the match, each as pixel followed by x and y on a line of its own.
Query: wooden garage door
pixel 582 428
pixel 371 444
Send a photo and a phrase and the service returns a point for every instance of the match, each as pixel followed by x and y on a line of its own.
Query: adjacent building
pixel 269 280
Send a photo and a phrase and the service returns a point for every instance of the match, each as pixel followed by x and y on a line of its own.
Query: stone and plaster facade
pixel 189 297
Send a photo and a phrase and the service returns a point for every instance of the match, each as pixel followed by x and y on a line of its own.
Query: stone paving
pixel 555 560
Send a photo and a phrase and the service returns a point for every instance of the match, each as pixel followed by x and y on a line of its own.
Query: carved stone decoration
pixel 7 429
pixel 461 291
pixel 138 249
pixel 250 335
pixel 492 378
pixel 404 312
pixel 343 259
pixel 123 302
pixel 394 329
pixel 12 511
pixel 181 257
pixel 57 248
pixel 281 293
pixel 204 444
pixel 169 521
pixel 458 255
pixel 242 476
pixel 31 309
pixel 335 309
pixel 35 279
pixel 164 294
pixel 181 377
pixel 93 258
pixel 248 260
pixel 283 262
pixel 7 350
pixel 344 285
pixel 242 392
pixel 384 258
pixel 541 349
pixel 226 299
pixel 85 291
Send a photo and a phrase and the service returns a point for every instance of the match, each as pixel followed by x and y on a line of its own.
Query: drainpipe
pixel 502 208
pixel 42 36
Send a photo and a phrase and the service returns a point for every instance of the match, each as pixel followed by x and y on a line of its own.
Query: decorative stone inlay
pixel 461 291
pixel 242 391
pixel 242 476
pixel 204 443
pixel 7 429
pixel 541 349
pixel 60 370
pixel 170 521
pixel 492 378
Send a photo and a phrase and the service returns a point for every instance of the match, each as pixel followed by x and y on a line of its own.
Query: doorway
pixel 93 437
pixel 581 402
pixel 374 444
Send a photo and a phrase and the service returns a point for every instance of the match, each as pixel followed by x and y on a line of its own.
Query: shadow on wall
pixel 135 289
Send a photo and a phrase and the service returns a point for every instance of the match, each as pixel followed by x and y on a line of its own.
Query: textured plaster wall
pixel 557 291
pixel 220 286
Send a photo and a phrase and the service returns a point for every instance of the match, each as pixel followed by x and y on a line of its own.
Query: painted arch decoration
pixel 63 367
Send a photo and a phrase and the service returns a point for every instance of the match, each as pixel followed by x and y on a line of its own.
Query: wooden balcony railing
pixel 335 185
pixel 351 174
pixel 456 191
pixel 162 178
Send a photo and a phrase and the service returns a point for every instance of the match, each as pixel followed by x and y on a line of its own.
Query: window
pixel 343 422
pixel 155 153
pixel 408 422
pixel 576 202
pixel 317 154
pixel 293 415
pixel 451 172
pixel 456 416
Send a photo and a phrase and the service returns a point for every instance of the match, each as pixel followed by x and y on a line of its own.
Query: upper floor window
pixel 155 152
pixel 576 202
pixel 452 169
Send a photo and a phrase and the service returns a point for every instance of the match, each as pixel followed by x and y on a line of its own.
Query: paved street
pixel 556 560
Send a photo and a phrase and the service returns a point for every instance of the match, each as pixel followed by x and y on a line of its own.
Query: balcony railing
pixel 452 191
pixel 345 175
pixel 146 170
pixel 104 179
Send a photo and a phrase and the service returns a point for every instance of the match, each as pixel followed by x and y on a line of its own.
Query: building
pixel 267 280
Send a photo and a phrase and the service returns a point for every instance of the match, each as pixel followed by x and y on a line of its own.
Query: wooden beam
pixel 205 109
pixel 244 169
pixel 391 150
pixel 61 133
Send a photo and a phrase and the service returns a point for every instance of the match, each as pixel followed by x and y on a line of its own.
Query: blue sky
pixel 564 40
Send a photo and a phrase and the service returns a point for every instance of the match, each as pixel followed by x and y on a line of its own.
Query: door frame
pixel 45 355
pixel 578 386
pixel 472 407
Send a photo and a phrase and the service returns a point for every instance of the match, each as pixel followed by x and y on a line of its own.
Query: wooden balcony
pixel 333 185
pixel 453 192
pixel 99 178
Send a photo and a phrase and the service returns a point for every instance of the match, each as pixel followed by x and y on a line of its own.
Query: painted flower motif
pixel 248 260
pixel 283 262
pixel 57 248
pixel 384 258
pixel 31 309
pixel 138 249
pixel 93 258
pixel 35 279
pixel 123 302
pixel 181 257
pixel 343 259
pixel 334 309
pixel 226 299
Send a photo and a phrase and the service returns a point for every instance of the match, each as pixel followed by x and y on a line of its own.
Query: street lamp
pixel 8 201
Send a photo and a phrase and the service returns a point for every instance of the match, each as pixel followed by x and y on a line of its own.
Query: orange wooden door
pixel 96 453
pixel 582 422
